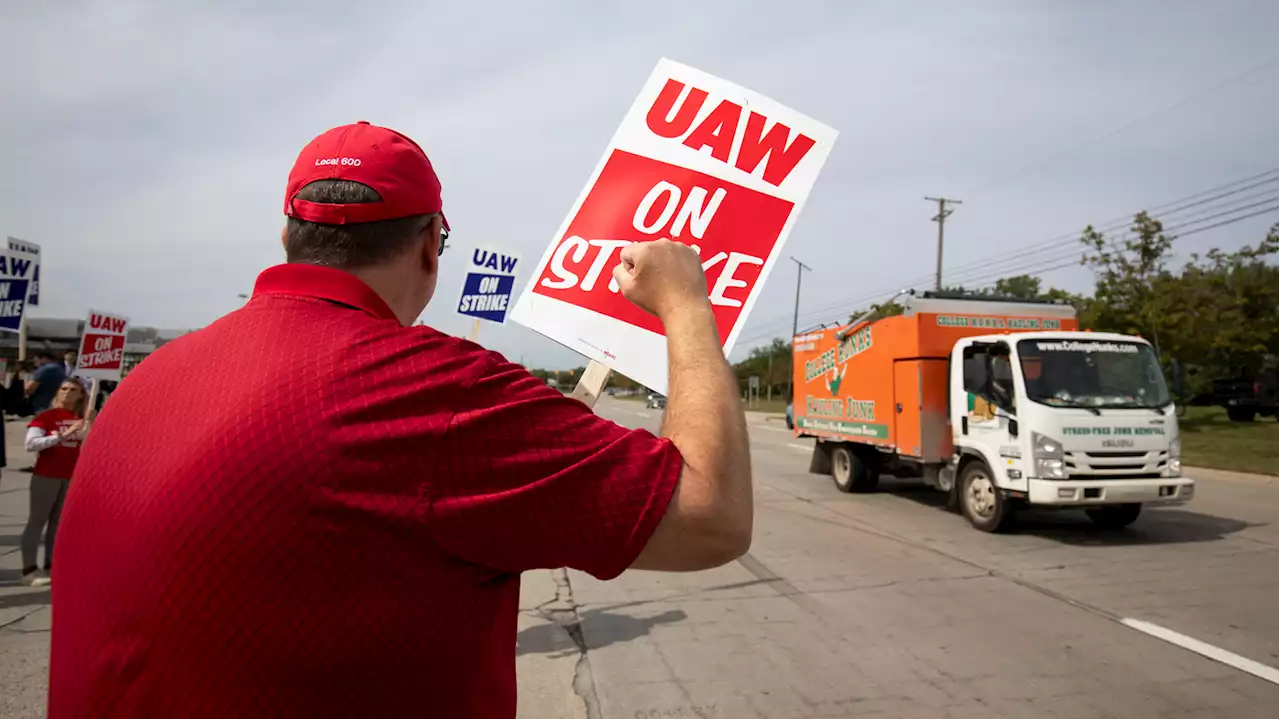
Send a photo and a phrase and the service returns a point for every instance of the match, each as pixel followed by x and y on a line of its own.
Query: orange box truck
pixel 1001 403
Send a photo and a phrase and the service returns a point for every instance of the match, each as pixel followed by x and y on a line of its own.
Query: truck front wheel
pixel 1116 516
pixel 850 472
pixel 982 502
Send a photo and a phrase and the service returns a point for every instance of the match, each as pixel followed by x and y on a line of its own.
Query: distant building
pixel 60 335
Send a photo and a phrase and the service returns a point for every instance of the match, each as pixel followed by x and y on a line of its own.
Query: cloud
pixel 146 144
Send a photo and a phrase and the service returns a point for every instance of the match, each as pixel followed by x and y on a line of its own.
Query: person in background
pixel 16 402
pixel 54 436
pixel 69 362
pixel 11 402
pixel 44 384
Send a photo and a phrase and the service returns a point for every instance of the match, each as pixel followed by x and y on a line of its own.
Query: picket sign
pixel 15 289
pixel 101 355
pixel 698 160
pixel 26 264
pixel 487 287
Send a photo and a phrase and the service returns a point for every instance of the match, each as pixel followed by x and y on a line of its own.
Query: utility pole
pixel 941 219
pixel 801 268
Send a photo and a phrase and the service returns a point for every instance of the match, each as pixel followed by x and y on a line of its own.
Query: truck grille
pixel 1116 465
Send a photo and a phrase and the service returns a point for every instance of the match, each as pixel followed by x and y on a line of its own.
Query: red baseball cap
pixel 385 160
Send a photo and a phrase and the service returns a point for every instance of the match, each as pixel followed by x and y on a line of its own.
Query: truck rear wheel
pixel 982 502
pixel 1116 516
pixel 850 472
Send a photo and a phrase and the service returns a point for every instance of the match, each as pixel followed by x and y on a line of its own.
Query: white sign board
pixel 489 283
pixel 101 353
pixel 26 264
pixel 698 160
pixel 15 290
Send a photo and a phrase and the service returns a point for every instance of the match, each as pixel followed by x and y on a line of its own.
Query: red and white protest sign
pixel 101 353
pixel 698 160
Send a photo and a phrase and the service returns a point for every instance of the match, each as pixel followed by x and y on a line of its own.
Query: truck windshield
pixel 1094 374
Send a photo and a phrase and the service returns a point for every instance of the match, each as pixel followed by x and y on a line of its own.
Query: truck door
pixel 908 401
pixel 982 410
pixel 920 399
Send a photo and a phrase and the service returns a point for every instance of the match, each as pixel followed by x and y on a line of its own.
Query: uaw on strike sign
pixel 101 354
pixel 697 160
pixel 15 289
pixel 487 287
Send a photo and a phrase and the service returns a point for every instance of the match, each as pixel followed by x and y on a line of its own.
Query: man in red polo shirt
pixel 339 531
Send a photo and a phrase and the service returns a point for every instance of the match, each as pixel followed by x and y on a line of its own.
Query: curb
pixel 1227 475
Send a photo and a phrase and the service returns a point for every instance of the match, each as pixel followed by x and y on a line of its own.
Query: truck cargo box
pixel 885 382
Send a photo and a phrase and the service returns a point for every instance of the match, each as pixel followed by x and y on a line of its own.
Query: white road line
pixel 771 429
pixel 801 447
pixel 1231 659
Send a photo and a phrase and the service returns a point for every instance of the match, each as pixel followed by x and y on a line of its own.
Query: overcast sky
pixel 145 145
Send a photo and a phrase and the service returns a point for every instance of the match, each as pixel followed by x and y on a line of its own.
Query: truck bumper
pixel 1075 492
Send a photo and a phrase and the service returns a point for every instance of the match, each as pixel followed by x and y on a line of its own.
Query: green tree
pixel 879 311
pixel 623 383
pixel 1022 287
pixel 1217 314
pixel 1130 293
pixel 771 363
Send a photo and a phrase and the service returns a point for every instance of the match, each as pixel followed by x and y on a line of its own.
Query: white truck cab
pixel 1061 419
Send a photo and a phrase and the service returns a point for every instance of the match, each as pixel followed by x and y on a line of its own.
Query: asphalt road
pixel 889 605
pixel 881 605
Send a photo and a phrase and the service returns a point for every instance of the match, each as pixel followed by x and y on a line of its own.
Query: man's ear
pixel 284 239
pixel 431 244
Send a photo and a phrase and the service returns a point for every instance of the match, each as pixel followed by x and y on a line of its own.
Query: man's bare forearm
pixel 704 416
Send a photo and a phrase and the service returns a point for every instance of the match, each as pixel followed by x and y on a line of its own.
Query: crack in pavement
pixel 562 611
pixel 5 626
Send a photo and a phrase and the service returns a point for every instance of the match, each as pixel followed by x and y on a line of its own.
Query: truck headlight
pixel 1050 460
pixel 1174 467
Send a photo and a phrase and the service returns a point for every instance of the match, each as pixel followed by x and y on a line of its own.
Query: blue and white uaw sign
pixel 486 290
pixel 26 264
pixel 13 292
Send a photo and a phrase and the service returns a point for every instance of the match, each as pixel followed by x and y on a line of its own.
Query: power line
pixel 1070 238
pixel 1164 210
pixel 1168 109
pixel 1196 95
pixel 1167 208
pixel 1010 266
pixel 1182 235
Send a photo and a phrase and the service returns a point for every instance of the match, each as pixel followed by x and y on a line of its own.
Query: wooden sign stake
pixel 591 384
pixel 89 410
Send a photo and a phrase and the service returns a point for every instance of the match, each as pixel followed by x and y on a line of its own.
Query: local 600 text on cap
pixel 390 163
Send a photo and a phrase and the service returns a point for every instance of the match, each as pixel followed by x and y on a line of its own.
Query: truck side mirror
pixel 1010 421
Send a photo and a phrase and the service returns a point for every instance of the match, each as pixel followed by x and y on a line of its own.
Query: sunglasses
pixel 444 235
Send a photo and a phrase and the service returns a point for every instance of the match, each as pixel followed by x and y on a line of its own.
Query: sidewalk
pixel 24 612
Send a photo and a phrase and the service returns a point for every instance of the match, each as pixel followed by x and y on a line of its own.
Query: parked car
pixel 1245 398
pixel 791 418
pixel 656 401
